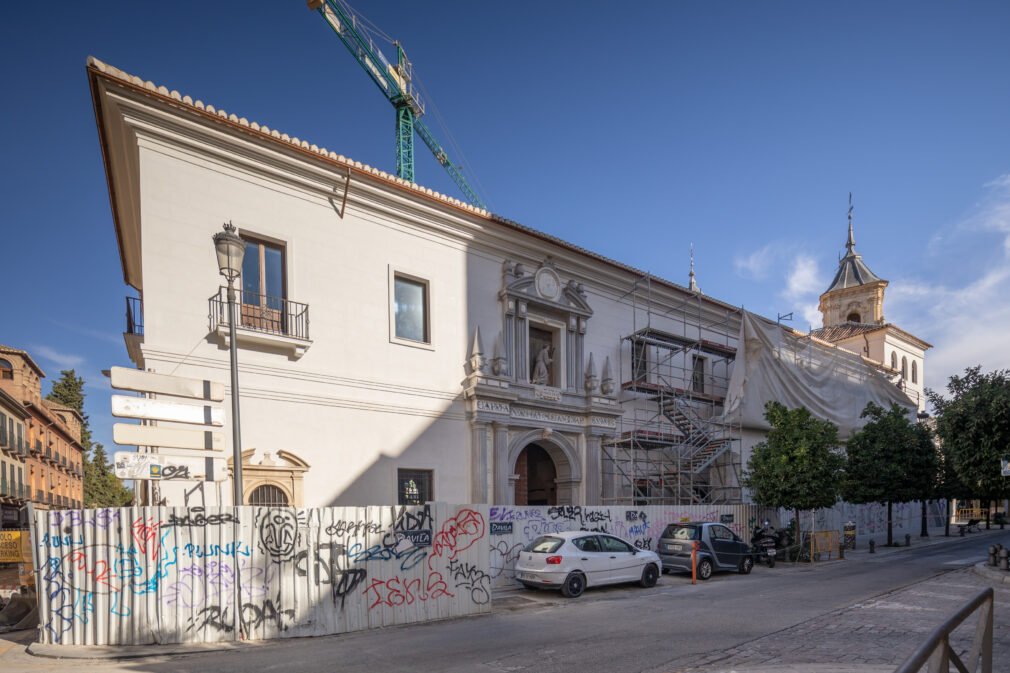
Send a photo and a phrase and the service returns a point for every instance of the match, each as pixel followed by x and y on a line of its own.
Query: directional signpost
pixel 174 453
pixel 162 466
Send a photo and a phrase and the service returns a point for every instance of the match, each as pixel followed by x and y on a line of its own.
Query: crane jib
pixel 395 82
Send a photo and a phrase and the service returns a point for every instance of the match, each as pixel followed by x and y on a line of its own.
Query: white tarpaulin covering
pixel 799 371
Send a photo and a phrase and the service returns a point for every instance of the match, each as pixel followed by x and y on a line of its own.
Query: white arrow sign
pixel 178 386
pixel 176 438
pixel 141 466
pixel 161 410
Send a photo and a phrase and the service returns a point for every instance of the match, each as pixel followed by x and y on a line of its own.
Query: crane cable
pixel 369 27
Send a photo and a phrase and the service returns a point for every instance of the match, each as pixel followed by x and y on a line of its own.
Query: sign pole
pixel 235 432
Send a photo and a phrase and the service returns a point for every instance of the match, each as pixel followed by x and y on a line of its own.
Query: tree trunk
pixel 799 533
pixel 890 533
pixel 924 531
pixel 946 517
pixel 988 508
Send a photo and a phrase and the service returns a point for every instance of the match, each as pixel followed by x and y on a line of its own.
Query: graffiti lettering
pixel 469 576
pixel 175 472
pixel 196 517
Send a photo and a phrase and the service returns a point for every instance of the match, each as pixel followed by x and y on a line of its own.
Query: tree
pixel 889 460
pixel 798 466
pixel 102 488
pixel 973 424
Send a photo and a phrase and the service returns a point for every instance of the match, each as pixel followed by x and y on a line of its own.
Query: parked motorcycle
pixel 765 542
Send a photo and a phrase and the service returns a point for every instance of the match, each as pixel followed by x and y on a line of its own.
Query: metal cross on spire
pixel 850 245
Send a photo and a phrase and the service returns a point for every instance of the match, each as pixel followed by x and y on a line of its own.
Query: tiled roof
pixel 846 330
pixel 851 329
pixel 111 71
pixel 25 355
pixel 267 131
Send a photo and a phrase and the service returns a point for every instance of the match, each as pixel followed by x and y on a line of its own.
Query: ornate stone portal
pixel 538 390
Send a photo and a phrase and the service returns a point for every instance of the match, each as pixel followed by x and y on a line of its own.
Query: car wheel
pixel 574 585
pixel 704 569
pixel 746 565
pixel 649 576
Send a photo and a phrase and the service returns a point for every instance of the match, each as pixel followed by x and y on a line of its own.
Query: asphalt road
pixel 614 630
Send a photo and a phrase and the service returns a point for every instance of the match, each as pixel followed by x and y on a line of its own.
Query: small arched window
pixel 904 368
pixel 854 317
pixel 268 495
pixel 915 371
pixel 6 370
pixel 894 360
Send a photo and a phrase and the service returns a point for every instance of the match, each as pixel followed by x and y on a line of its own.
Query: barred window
pixel 413 487
pixel 268 495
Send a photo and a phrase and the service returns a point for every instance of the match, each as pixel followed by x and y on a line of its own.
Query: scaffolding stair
pixel 700 445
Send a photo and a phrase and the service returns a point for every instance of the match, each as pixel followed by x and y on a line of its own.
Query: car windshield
pixel 680 532
pixel 544 545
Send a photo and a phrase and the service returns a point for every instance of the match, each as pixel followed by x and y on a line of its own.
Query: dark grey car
pixel 719 548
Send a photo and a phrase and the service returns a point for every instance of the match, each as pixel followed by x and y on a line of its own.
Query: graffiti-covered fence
pixel 170 575
pixel 511 527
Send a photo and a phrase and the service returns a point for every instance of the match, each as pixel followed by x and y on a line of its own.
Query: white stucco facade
pixel 336 406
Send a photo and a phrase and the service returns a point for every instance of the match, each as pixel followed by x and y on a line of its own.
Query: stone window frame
pixel 6 370
pixel 416 277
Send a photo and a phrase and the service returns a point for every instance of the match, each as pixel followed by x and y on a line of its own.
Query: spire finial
pixel 692 283
pixel 850 244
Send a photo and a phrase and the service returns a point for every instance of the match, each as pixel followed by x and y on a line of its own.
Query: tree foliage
pixel 798 466
pixel 891 459
pixel 973 424
pixel 101 486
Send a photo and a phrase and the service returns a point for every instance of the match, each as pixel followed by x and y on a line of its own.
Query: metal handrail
pixel 134 316
pixel 936 650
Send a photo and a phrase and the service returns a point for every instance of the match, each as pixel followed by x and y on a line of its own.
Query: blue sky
pixel 634 130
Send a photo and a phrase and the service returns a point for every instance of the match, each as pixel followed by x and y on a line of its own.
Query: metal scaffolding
pixel 673 447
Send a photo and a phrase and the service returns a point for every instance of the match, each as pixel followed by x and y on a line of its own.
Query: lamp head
pixel 230 251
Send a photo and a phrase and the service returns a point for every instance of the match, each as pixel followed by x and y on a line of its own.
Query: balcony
pixel 274 323
pixel 39 495
pixel 134 334
pixel 37 448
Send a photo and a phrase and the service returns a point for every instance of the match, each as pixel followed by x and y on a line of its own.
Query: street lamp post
pixel 230 251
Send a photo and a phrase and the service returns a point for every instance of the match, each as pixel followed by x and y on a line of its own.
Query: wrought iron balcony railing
pixel 272 315
pixel 134 316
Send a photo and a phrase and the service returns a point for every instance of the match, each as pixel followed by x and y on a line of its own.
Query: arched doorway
pixel 537 482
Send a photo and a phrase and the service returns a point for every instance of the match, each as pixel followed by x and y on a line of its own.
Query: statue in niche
pixel 542 368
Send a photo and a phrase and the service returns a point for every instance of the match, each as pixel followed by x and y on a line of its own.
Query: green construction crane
pixel 395 82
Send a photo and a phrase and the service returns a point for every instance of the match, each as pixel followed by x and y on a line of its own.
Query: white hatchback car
pixel 572 560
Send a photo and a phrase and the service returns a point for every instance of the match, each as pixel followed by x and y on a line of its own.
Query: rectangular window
pixel 263 286
pixel 698 374
pixel 3 429
pixel 414 487
pixel 410 309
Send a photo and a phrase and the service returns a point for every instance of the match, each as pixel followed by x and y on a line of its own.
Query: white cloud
pixel 804 278
pixel 61 360
pixel 967 321
pixel 756 264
